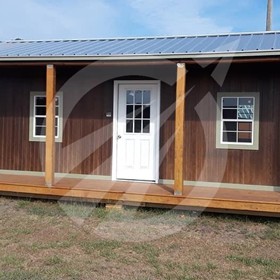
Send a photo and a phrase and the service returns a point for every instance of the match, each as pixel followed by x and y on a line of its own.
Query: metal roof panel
pixel 174 45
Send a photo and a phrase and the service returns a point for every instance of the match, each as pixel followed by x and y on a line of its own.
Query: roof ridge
pixel 142 37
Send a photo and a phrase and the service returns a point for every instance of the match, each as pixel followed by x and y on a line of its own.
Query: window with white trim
pixel 38 116
pixel 238 121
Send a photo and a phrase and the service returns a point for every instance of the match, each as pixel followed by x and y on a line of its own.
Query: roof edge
pixel 143 57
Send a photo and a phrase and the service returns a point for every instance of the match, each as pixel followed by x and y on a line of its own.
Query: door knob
pixel 119 136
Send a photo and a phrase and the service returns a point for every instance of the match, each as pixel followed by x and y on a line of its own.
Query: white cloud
pixel 48 19
pixel 176 16
pixel 34 19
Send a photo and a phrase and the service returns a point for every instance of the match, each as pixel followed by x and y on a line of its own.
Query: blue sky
pixel 62 19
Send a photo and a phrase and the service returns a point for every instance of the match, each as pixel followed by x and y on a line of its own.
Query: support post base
pixel 178 193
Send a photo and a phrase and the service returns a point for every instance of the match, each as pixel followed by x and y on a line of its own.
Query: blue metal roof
pixel 242 44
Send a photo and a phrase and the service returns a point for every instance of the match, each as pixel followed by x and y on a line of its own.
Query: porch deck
pixel 211 199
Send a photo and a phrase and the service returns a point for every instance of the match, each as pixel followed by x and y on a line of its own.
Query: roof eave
pixel 213 55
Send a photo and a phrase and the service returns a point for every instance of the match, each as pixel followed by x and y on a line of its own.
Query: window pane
pixel 230 126
pixel 229 137
pixel 138 97
pixel 40 121
pixel 129 111
pixel 146 126
pixel 230 114
pixel 245 126
pixel 245 137
pixel 129 97
pixel 246 101
pixel 138 111
pixel 40 111
pixel 56 101
pixel 229 102
pixel 56 131
pixel 40 100
pixel 146 97
pixel 245 114
pixel 40 131
pixel 56 111
pixel 129 126
pixel 137 128
pixel 146 112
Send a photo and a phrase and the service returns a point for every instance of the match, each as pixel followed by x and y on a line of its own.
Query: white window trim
pixel 32 136
pixel 255 131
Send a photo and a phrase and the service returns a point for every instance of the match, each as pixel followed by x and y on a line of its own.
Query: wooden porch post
pixel 179 129
pixel 50 125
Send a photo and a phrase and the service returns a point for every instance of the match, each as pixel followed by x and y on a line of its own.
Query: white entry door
pixel 137 132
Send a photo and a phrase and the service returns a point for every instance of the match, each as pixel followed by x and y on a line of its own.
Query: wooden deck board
pixel 144 193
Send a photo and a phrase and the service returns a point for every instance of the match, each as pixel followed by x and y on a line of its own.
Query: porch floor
pixel 265 203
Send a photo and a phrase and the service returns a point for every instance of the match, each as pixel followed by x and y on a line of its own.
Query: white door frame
pixel 117 83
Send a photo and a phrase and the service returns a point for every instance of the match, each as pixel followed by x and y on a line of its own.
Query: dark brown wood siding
pixel 167 124
pixel 87 135
pixel 206 163
pixel 16 152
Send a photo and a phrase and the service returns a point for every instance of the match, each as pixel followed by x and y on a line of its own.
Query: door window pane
pixel 138 111
pixel 146 97
pixel 138 97
pixel 146 126
pixel 129 111
pixel 129 126
pixel 137 128
pixel 146 112
pixel 129 97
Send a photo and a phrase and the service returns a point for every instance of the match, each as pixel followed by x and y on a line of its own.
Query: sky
pixel 77 19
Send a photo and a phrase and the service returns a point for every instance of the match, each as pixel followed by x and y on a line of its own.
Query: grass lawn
pixel 60 240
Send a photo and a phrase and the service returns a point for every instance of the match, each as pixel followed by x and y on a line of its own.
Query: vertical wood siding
pixel 206 163
pixel 16 152
pixel 87 135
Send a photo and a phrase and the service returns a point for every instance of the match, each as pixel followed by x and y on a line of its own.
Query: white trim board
pixel 225 185
pixel 57 175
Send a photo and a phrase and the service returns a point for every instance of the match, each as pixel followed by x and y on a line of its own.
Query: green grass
pixel 45 240
pixel 250 261
pixel 12 261
pixel 53 260
pixel 104 248
pixel 20 274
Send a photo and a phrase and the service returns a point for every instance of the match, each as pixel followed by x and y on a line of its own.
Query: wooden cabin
pixel 181 122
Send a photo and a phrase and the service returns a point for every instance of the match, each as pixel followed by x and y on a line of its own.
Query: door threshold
pixel 136 181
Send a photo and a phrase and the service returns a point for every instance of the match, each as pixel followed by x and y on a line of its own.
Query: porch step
pixel 111 206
